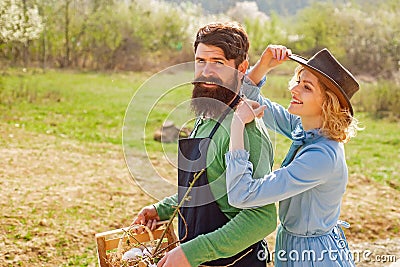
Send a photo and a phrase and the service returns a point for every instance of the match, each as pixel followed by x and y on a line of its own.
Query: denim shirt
pixel 309 189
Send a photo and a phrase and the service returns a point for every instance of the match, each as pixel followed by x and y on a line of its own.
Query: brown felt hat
pixel 331 73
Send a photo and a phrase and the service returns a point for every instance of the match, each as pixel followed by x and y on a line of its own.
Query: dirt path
pixel 374 213
pixel 57 193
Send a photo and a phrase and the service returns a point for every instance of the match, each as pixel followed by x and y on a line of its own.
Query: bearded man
pixel 217 234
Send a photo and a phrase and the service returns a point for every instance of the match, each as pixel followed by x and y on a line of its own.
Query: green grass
pixel 83 106
pixel 374 152
pixel 91 107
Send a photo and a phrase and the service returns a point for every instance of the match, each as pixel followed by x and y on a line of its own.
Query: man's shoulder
pixel 256 129
pixel 221 136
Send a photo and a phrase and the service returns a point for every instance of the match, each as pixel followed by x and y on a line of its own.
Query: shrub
pixel 380 98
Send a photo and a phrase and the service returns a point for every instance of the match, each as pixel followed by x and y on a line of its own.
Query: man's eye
pixel 220 62
pixel 307 88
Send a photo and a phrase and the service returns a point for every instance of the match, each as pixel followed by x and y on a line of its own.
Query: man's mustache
pixel 202 79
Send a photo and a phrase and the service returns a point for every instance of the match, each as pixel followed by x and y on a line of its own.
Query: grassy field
pixel 64 176
pixel 82 106
pixel 373 152
pixel 91 107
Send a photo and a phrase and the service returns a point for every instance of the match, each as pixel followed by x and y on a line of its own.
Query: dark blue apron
pixel 200 211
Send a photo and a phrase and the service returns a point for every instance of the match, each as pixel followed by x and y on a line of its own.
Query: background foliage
pixel 143 35
pixel 139 34
pixel 68 69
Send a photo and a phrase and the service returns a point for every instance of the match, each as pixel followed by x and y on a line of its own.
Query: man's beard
pixel 211 102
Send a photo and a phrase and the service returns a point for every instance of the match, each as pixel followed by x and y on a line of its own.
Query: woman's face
pixel 307 99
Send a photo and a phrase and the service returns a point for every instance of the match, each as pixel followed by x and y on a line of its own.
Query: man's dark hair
pixel 230 37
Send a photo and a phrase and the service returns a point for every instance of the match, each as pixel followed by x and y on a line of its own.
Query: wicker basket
pixel 115 241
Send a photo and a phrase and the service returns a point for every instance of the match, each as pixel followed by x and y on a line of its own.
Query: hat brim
pixel 325 79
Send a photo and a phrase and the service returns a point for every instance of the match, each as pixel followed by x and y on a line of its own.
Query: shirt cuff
pixel 197 251
pixel 163 212
pixel 250 82
pixel 262 82
pixel 237 154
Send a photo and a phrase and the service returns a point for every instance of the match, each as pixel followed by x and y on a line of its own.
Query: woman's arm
pixel 245 112
pixel 272 56
pixel 276 117
pixel 312 166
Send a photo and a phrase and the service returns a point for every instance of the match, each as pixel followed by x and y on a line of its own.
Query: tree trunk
pixel 67 50
pixel 44 49
pixel 25 49
pixel 43 55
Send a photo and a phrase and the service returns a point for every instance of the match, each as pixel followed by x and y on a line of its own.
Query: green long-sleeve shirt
pixel 245 227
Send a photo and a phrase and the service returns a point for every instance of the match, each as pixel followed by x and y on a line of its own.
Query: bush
pixel 262 33
pixel 380 98
pixel 365 39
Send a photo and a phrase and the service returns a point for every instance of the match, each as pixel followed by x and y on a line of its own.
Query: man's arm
pixel 248 226
pixel 151 214
pixel 165 208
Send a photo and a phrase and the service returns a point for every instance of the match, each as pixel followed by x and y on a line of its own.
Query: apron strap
pixel 224 114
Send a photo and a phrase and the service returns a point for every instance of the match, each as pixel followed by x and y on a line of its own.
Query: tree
pixel 18 22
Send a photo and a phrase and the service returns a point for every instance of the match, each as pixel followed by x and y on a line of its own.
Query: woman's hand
pixel 247 110
pixel 272 56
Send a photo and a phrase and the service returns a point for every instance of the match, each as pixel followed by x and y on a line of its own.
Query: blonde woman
pixel 311 182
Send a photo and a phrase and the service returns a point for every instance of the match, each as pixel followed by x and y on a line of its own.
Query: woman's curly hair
pixel 337 122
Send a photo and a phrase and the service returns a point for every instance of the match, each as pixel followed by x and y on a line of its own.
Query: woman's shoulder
pixel 328 148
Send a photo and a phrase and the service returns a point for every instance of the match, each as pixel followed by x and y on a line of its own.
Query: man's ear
pixel 243 66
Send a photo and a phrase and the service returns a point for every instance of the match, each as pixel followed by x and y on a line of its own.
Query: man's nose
pixel 208 69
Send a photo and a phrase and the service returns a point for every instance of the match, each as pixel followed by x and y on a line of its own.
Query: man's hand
pixel 147 216
pixel 174 258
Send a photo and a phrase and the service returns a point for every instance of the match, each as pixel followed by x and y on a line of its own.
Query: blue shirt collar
pixel 301 137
